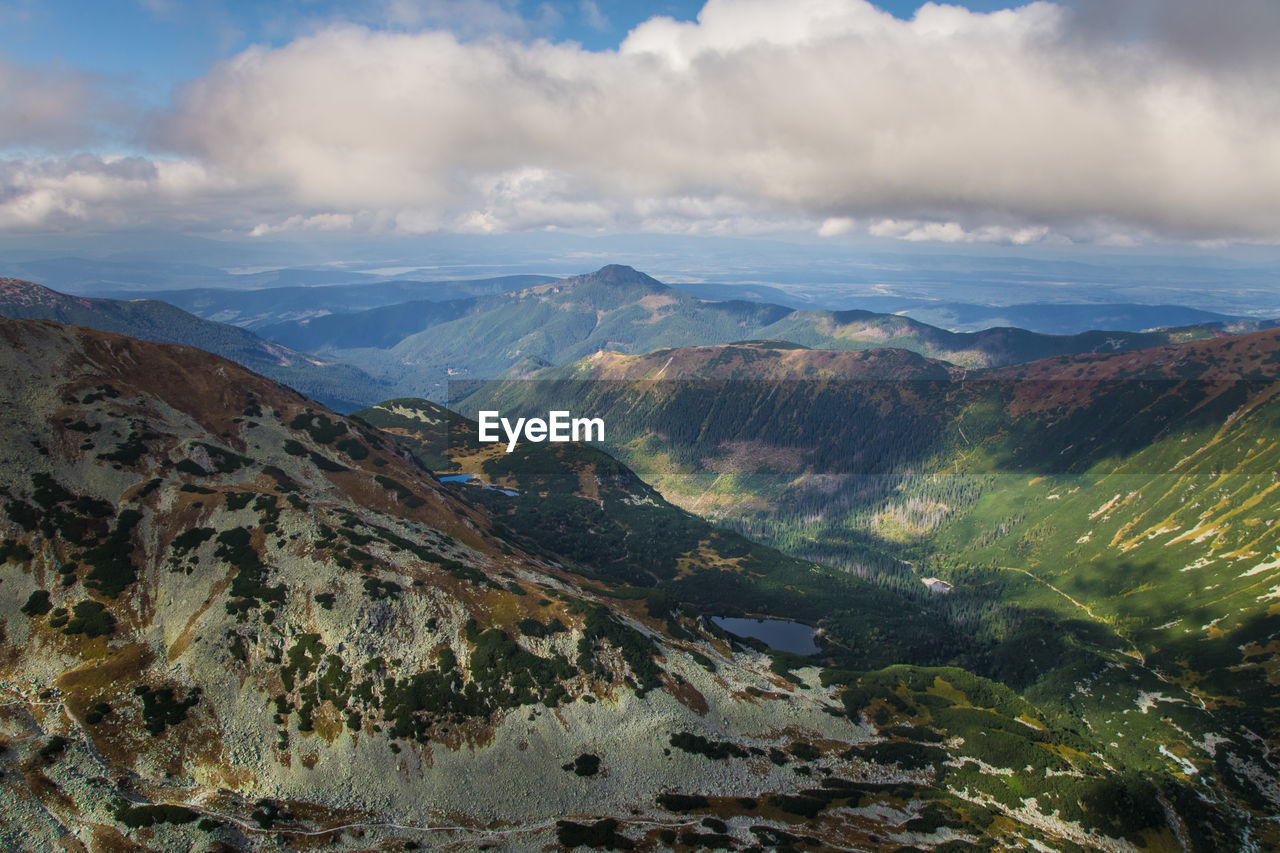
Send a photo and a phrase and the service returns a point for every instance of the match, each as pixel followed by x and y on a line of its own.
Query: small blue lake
pixel 781 634
pixel 467 478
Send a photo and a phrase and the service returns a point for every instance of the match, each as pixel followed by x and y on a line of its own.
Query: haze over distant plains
pixel 1089 122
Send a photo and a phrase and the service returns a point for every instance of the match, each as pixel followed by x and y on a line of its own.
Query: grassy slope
pixel 1134 493
pixel 579 505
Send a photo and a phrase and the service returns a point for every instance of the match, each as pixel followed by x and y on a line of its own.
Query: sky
pixel 1089 123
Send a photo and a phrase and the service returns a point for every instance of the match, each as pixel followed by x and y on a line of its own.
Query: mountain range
pixel 1051 318
pixel 1036 576
pixel 234 619
pixel 265 306
pixel 619 309
pixel 336 384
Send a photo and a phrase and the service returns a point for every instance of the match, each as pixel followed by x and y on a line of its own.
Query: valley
pixel 234 617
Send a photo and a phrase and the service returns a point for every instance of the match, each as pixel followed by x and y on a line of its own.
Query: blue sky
pixel 157 44
pixel 1053 124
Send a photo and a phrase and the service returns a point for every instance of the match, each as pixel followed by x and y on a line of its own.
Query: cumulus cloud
pixel 1015 126
pixel 915 231
pixel 1237 36
pixel 84 189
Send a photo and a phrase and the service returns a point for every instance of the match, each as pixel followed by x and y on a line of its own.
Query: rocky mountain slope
pixel 234 620
pixel 337 384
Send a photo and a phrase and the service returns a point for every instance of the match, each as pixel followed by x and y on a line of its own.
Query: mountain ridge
pixel 324 378
pixel 619 308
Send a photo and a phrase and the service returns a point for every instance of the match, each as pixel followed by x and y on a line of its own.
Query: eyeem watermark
pixel 558 426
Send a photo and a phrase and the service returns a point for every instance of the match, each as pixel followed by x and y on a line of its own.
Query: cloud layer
pixel 1043 122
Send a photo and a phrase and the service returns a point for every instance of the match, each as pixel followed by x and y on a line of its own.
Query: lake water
pixel 781 634
pixel 467 478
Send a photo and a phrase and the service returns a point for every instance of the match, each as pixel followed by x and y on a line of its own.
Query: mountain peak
pixel 616 271
pixel 620 274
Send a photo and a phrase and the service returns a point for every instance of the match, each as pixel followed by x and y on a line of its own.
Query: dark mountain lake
pixel 780 634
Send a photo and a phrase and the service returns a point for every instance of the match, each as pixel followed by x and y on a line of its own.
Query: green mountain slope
pixel 1132 492
pixel 337 384
pixel 377 328
pixel 1070 663
pixel 614 308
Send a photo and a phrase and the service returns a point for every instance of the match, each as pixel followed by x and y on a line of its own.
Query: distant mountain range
pixel 1050 318
pixel 270 306
pixel 336 384
pixel 137 277
pixel 1055 318
pixel 619 309
pixel 517 324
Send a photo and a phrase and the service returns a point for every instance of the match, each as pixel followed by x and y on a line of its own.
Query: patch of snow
pixel 1210 743
pixel 411 414
pixel 1147 701
pixel 1187 766
pixel 1212 531
pixel 1262 567
pixel 1264 781
pixel 986 768
pixel 1106 506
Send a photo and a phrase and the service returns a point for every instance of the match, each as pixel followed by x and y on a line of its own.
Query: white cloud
pixel 1017 126
pixel 317 222
pixel 69 192
pixel 916 231
pixel 835 226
